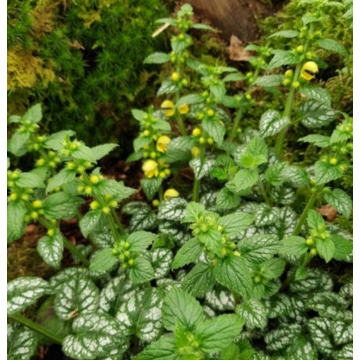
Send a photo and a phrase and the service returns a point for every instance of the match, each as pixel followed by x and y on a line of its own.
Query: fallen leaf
pixel 328 212
pixel 236 50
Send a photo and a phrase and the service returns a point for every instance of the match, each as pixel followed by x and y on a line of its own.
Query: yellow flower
pixel 195 151
pixel 162 143
pixel 169 107
pixel 309 70
pixel 184 109
pixel 150 168
pixel 170 193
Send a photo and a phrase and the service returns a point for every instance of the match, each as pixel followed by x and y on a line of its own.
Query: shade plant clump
pixel 227 257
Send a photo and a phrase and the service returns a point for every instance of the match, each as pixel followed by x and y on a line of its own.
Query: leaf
pixel 215 129
pixel 269 80
pixel 227 200
pixel 325 248
pixel 320 334
pixel 188 253
pixel 115 188
pixel 339 200
pixel 282 58
pixel 18 144
pixel 84 153
pixel 346 353
pixel 163 349
pixel 289 34
pixel 103 261
pixel 56 141
pixel 203 27
pixel 24 292
pixel 51 249
pixel 76 295
pixel 296 176
pixel 200 168
pixel 243 180
pixel 61 178
pixel 138 115
pixel 101 150
pixel 272 268
pixel 216 334
pixel 61 206
pixel 218 91
pixel 254 314
pixel 34 114
pixel 325 172
pixel 266 215
pixel 272 123
pixel 332 46
pixel 342 332
pixel 343 247
pixel 301 349
pixel 314 114
pixel 157 58
pixel 167 87
pixel 172 209
pixel 315 220
pixel 293 246
pixel 181 306
pixel 141 271
pixel 193 211
pixel 259 248
pixel 161 260
pixel 140 315
pixel 316 93
pixel 29 180
pixel 235 223
pixel 151 186
pixel 140 240
pixel 190 99
pixel 94 336
pixel 282 337
pixel 318 140
pixel 233 273
pixel 143 219
pixel 179 149
pixel 255 153
pixel 285 225
pixel 199 280
pixel 93 221
pixel 21 343
pixel 16 212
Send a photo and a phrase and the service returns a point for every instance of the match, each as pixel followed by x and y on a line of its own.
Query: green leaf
pixel 193 211
pixel 76 295
pixel 56 141
pixel 140 240
pixel 274 174
pixel 167 87
pixel 325 172
pixel 215 129
pixel 227 200
pixel 339 200
pixel 61 206
pixel 51 249
pixel 151 186
pixel 181 306
pixel 163 349
pixel 316 93
pixel 61 178
pixel 157 58
pixel 179 149
pixel 289 34
pixel 29 180
pixel 343 247
pixel 101 150
pixel 282 58
pixel 18 144
pixel 21 343
pixel 314 219
pixel 318 140
pixel 233 273
pixel 233 77
pixel 254 314
pixel 325 248
pixel 293 246
pixel 93 221
pixel 314 114
pixel 301 349
pixel 216 334
pixel 235 223
pixel 203 27
pixel 243 180
pixel 84 153
pixel 259 248
pixel 16 212
pixel 188 253
pixel 24 292
pixel 141 271
pixel 218 91
pixel 139 115
pixel 199 280
pixel 190 99
pixel 273 268
pixel 140 142
pixel 296 176
pixel 34 114
pixel 332 46
pixel 255 153
pixel 140 315
pixel 103 261
pixel 269 80
pixel 94 336
pixel 272 123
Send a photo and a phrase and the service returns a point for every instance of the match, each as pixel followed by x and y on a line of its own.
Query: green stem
pixel 291 278
pixel 303 216
pixel 161 193
pixel 75 251
pixel 36 327
pixel 113 228
pixel 118 222
pixel 179 119
pixel 196 188
pixel 263 191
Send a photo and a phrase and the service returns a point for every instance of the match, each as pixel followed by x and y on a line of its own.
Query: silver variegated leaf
pixel 327 304
pixel 301 349
pixel 58 280
pixel 201 169
pixel 253 312
pixel 285 305
pixel 342 332
pixel 161 260
pixel 284 195
pixel 177 232
pixel 24 292
pixel 346 353
pixel 266 215
pixel 21 343
pixel 285 224
pixel 141 315
pixel 316 280
pixel 220 299
pixel 51 249
pixel 282 337
pixel 320 331
pixel 173 209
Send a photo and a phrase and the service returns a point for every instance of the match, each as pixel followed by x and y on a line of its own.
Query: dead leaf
pixel 328 212
pixel 75 44
pixel 236 50
pixel 160 30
